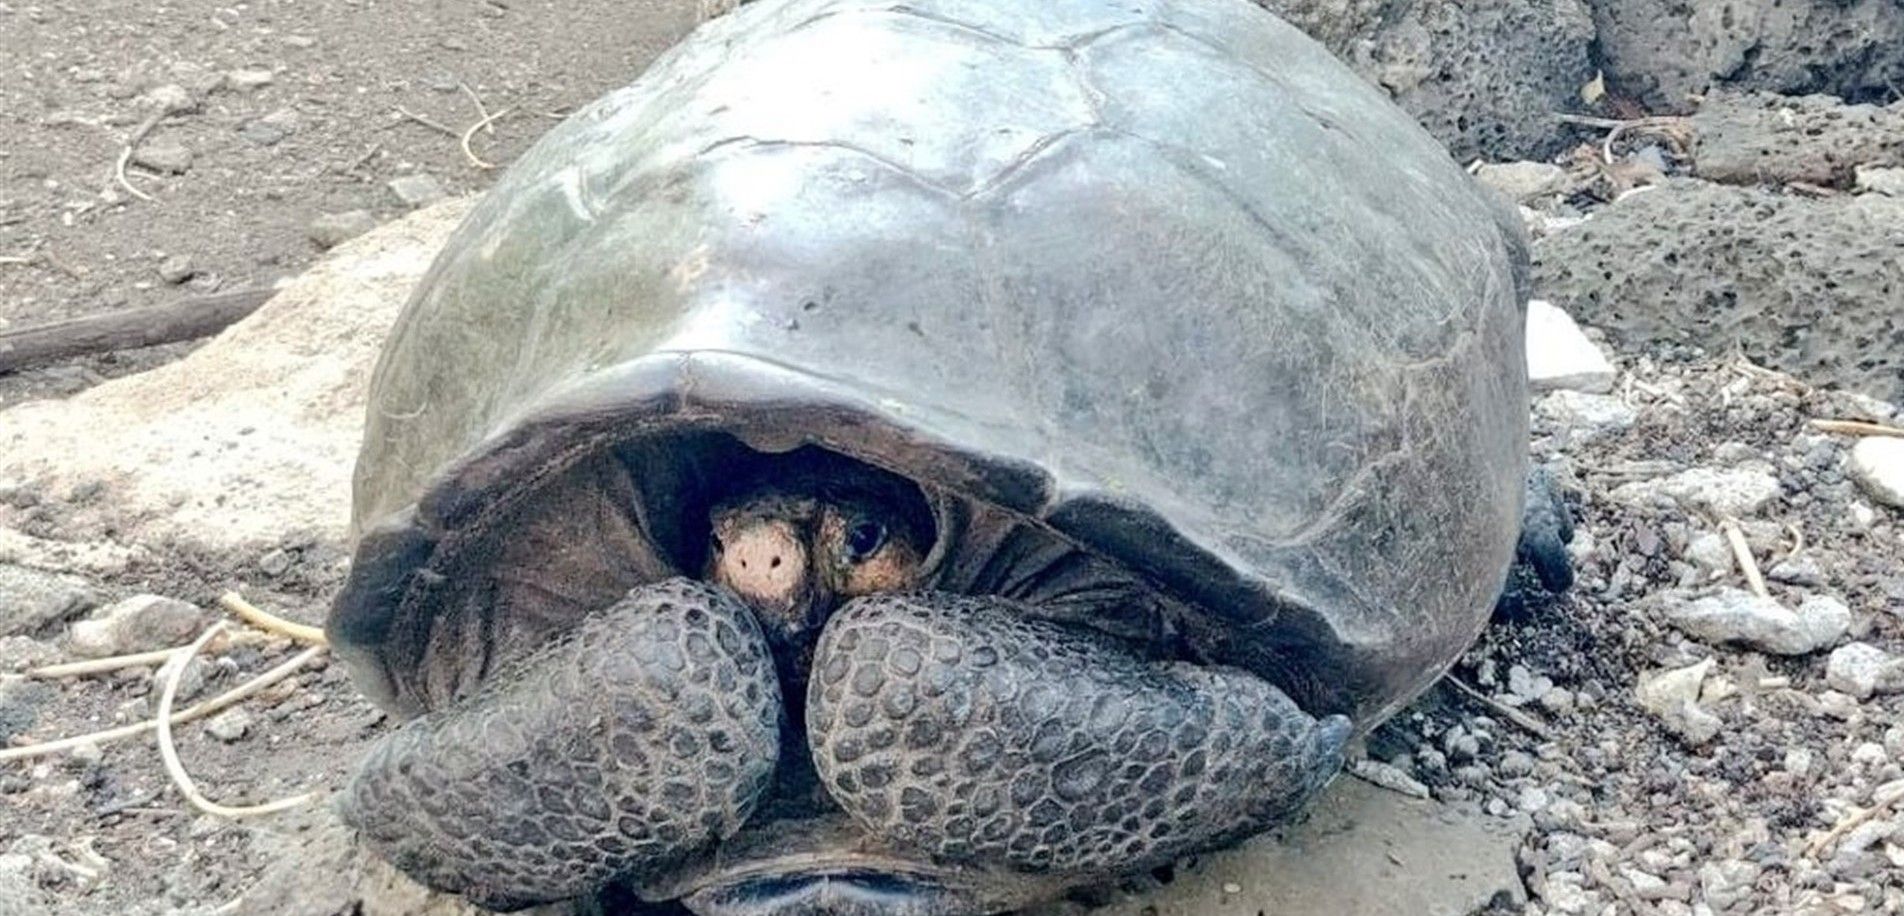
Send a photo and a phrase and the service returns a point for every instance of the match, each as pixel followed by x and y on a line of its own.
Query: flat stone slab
pixel 1363 850
pixel 250 436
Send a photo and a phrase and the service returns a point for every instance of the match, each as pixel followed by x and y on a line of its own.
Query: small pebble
pixel 166 156
pixel 249 80
pixel 177 269
pixel 418 190
pixel 230 725
pixel 138 624
pixel 332 229
pixel 1877 464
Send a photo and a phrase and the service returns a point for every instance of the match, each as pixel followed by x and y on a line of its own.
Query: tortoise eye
pixel 864 540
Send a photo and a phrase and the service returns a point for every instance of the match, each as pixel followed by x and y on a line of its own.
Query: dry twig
pixel 426 122
pixel 482 111
pixel 169 753
pixel 1857 428
pixel 215 704
pixel 487 120
pixel 271 623
pixel 1742 551
pixel 125 153
pixel 103 665
pixel 1507 712
pixel 1879 806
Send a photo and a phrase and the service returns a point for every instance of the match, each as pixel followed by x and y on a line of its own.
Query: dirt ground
pixel 294 112
pixel 282 113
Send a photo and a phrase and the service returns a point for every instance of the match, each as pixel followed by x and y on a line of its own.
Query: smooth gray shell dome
pixel 1162 278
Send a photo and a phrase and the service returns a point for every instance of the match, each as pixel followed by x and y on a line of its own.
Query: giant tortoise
pixel 919 456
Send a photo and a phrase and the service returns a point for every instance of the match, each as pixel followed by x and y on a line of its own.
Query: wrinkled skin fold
pixel 955 728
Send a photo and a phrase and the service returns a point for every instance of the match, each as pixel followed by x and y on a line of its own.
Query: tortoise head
pixel 796 537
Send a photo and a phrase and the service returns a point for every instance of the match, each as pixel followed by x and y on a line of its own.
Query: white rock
pixel 1586 417
pixel 1862 670
pixel 1838 705
pixel 249 80
pixel 1877 464
pixel 1735 491
pixel 138 624
pixel 1673 697
pixel 1735 616
pixel 1559 355
pixel 1523 181
pixel 1798 761
pixel 1869 753
pixel 1882 179
pixel 1532 799
pixel 1527 686
pixel 1664 691
pixel 1826 619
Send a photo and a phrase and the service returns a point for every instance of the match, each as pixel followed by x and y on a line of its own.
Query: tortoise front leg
pixel 644 735
pixel 966 729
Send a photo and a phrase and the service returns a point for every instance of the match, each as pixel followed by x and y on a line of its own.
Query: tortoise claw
pixel 647 733
pixel 1542 569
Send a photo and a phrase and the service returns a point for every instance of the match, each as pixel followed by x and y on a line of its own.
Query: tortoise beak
pixel 766 563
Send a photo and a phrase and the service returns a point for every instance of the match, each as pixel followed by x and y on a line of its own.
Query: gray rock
pixel 230 725
pixel 1559 355
pixel 19 890
pixel 249 80
pixel 1709 551
pixel 1728 882
pixel 172 99
pixel 177 269
pixel 1877 464
pixel 20 703
pixel 418 190
pixel 1737 491
pixel 1765 137
pixel 1732 616
pixel 1800 284
pixel 276 563
pixel 1665 52
pixel 191 683
pixel 1826 619
pixel 1863 670
pixel 1799 570
pixel 32 601
pixel 1523 181
pixel 332 229
pixel 271 129
pixel 138 624
pixel 1586 417
pixel 168 156
pixel 18 653
pixel 1484 77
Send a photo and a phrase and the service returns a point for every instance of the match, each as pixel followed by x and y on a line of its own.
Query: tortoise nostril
pixel 775 564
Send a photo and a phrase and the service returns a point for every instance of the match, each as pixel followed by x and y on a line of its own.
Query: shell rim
pixel 670 391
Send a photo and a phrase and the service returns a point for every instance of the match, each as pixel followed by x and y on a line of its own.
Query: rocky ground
pixel 1675 737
